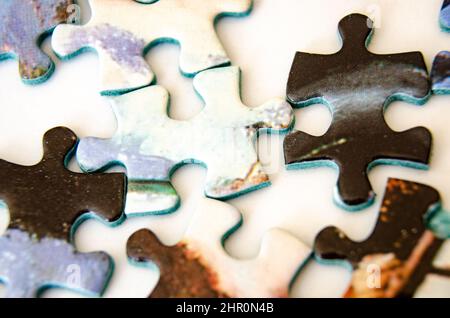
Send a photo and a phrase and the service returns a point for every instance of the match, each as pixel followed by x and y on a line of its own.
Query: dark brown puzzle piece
pixel 182 275
pixel 46 199
pixel 357 85
pixel 400 231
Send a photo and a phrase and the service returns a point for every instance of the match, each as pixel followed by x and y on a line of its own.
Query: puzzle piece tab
pixel 222 137
pixel 445 16
pixel 400 253
pixel 440 74
pixel 121 41
pixel 357 85
pixel 198 266
pixel 23 26
pixel 46 202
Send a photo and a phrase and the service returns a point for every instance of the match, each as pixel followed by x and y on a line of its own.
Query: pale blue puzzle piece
pixel 28 266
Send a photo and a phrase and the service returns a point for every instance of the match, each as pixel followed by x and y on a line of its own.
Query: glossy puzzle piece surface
pixel 46 202
pixel 400 253
pixel 121 43
pixel 440 73
pixel 198 266
pixel 357 85
pixel 23 26
pixel 222 137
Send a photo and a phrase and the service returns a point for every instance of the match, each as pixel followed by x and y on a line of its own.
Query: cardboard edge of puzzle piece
pixel 268 275
pixel 121 43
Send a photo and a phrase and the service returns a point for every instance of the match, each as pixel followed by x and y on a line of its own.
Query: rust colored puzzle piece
pixel 396 259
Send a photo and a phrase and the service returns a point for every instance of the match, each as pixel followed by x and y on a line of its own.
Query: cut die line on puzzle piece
pixel 358 138
pixel 199 266
pixel 24 26
pixel 121 43
pixel 46 203
pixel 440 74
pixel 401 251
pixel 221 137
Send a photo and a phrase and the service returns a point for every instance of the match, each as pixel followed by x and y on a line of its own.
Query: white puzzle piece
pixel 122 31
pixel 221 137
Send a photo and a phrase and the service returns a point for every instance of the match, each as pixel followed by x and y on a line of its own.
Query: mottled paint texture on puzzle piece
pixel 121 43
pixel 221 137
pixel 23 25
pixel 46 202
pixel 401 246
pixel 357 85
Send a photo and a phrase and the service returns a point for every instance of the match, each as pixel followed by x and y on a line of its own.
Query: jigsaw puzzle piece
pixel 198 266
pixel 46 203
pixel 399 254
pixel 23 27
pixel 30 265
pixel 445 16
pixel 440 74
pixel 150 197
pixel 221 137
pixel 46 199
pixel 122 43
pixel 357 86
pixel 438 284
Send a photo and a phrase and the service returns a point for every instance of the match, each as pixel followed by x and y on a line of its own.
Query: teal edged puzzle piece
pixel 357 86
pixel 199 266
pixel 222 137
pixel 122 32
pixel 23 27
pixel 402 252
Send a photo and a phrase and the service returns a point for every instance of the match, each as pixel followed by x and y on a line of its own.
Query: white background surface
pixel 263 45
